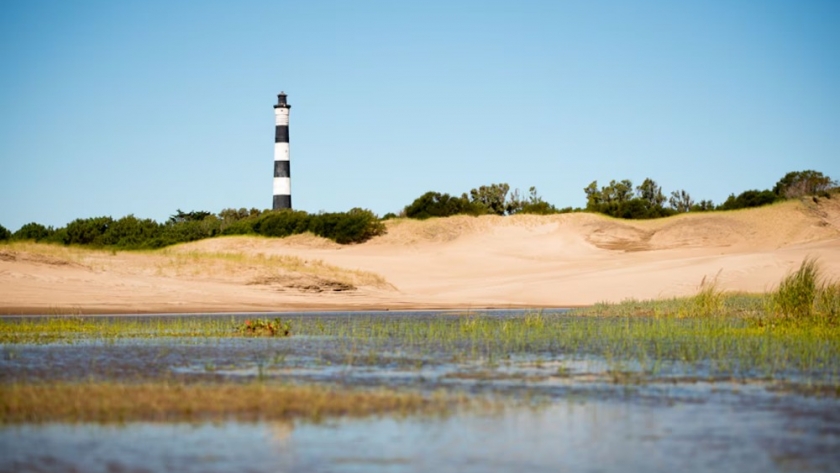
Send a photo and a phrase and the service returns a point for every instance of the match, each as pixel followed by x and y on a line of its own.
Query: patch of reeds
pixel 61 328
pixel 115 402
pixel 806 296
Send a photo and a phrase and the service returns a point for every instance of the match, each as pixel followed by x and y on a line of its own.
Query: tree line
pixel 132 233
pixel 620 199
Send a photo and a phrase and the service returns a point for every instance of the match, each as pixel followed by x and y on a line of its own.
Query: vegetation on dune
pixel 620 199
pixel 617 199
pixel 803 183
pixel 130 232
pixel 494 199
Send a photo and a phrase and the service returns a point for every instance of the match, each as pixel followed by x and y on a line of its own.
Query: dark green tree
pixel 87 231
pixel 492 197
pixel 801 183
pixel 194 216
pixel 747 199
pixel 131 232
pixel 651 193
pixel 681 201
pixel 33 231
pixel 435 204
pixel 534 204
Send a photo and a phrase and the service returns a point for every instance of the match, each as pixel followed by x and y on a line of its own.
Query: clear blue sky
pixel 144 107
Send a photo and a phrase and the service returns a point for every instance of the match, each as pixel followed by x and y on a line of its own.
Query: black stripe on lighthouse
pixel 282 169
pixel 281 134
pixel 282 202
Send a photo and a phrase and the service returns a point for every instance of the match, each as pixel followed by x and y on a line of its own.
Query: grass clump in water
pixel 805 296
pixel 709 301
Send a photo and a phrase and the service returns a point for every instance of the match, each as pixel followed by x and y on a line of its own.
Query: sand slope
pixel 458 262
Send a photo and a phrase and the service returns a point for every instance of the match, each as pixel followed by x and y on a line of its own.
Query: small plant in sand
pixel 266 328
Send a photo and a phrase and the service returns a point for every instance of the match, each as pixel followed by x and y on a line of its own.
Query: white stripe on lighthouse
pixel 281 116
pixel 282 186
pixel 281 151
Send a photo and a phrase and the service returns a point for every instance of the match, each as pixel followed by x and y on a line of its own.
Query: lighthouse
pixel 282 175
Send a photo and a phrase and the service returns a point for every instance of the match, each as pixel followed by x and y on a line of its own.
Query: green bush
pixel 801 183
pixel 355 226
pixel 748 199
pixel 534 204
pixel 618 200
pixel 131 233
pixel 435 204
pixel 87 231
pixel 33 231
pixel 281 223
pixel 5 234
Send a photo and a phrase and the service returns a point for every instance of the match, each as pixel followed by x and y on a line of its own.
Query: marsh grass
pixel 739 346
pixel 806 296
pixel 708 302
pixel 161 401
pixel 64 328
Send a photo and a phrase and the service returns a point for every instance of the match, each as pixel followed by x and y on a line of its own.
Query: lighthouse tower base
pixel 282 202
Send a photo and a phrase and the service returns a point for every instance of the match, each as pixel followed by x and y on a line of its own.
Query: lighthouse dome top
pixel 281 101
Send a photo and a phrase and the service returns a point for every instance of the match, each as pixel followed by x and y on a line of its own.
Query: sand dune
pixel 457 262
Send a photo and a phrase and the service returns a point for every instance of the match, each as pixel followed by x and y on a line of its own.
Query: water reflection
pixel 573 436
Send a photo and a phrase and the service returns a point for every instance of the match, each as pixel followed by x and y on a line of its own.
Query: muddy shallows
pixel 418 391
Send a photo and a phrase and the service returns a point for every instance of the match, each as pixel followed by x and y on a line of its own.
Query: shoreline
pixel 34 311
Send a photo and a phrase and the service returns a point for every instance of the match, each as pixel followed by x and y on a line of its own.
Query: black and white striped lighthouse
pixel 282 174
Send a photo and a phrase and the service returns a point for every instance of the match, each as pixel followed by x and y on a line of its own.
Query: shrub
pixel 87 231
pixel 5 234
pixel 747 199
pixel 491 198
pixel 533 205
pixel 130 233
pixel 435 204
pixel 618 200
pixel 33 231
pixel 802 183
pixel 355 226
pixel 281 223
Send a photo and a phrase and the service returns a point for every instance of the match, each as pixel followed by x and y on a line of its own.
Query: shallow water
pixel 724 433
pixel 564 410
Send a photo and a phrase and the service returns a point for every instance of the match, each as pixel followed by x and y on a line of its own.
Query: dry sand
pixel 458 262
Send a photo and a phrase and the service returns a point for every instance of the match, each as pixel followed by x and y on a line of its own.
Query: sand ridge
pixel 456 262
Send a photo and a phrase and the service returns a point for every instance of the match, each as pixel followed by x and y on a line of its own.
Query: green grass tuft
pixel 806 296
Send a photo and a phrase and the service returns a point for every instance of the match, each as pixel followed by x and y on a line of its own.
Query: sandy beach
pixel 454 263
